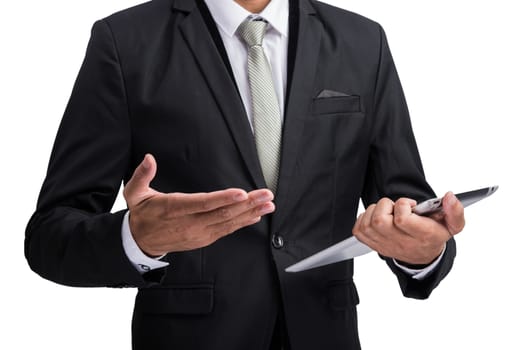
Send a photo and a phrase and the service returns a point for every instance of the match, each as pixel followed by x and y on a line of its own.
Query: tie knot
pixel 252 32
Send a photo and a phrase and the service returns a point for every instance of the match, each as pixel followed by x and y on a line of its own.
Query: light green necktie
pixel 267 122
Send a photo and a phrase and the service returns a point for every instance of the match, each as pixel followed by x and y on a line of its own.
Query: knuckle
pixel 453 231
pixel 224 213
pixel 399 220
pixel 459 226
pixel 403 201
pixel 378 222
pixel 204 205
pixel 385 200
pixel 255 211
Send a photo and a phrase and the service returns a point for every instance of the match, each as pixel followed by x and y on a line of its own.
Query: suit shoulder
pixel 140 14
pixel 344 20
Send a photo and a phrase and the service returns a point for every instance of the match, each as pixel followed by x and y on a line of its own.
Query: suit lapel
pixel 299 98
pixel 220 82
pixel 300 84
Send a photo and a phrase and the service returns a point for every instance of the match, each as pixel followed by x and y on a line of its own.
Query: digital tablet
pixel 434 205
pixel 352 247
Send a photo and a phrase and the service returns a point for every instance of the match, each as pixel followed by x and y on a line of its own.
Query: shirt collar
pixel 228 15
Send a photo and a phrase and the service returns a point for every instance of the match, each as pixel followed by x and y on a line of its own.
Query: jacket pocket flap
pixel 337 105
pixel 184 300
pixel 342 294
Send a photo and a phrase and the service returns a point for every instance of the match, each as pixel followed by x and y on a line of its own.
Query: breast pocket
pixel 338 106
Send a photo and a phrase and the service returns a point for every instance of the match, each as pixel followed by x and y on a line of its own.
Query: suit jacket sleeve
pixel 394 166
pixel 72 238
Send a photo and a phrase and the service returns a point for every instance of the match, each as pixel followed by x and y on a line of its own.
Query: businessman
pixel 245 132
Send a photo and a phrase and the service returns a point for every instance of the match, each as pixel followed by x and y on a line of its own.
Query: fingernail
pixel 145 163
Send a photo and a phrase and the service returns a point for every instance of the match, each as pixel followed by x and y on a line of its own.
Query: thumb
pixel 453 213
pixel 137 188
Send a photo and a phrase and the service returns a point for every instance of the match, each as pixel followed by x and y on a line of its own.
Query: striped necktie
pixel 267 122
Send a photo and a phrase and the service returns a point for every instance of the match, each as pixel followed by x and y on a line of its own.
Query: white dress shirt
pixel 228 15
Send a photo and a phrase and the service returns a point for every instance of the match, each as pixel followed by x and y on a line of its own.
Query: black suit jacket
pixel 154 81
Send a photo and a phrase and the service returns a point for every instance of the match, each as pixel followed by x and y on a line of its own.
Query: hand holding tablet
pixel 352 247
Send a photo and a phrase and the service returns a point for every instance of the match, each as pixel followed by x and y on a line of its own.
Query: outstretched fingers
pixel 218 203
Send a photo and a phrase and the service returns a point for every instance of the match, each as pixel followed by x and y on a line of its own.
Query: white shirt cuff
pixel 136 256
pixel 420 274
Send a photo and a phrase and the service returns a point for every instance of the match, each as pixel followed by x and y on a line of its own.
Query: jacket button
pixel 277 241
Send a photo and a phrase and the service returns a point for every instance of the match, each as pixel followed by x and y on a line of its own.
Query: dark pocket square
pixel 331 93
pixel 348 104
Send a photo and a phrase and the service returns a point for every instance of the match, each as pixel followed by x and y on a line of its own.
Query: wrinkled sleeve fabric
pixel 394 166
pixel 72 238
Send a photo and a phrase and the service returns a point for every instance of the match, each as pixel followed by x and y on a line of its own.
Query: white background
pixel 461 63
